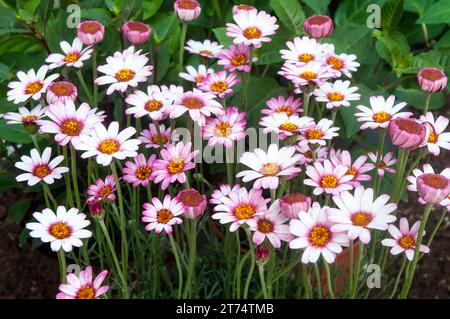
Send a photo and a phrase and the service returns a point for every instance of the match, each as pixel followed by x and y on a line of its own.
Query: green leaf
pixel 130 8
pixel 162 24
pixel 19 209
pixel 44 10
pixel 347 114
pixel 14 133
pixel 437 13
pixel 444 41
pixel 359 43
pixel 290 13
pixel 163 61
pixel 7 183
pixel 318 6
pixel 391 14
pixel 417 98
pixel 353 12
pixel 270 52
pixel 4 71
pixel 98 14
pixel 149 8
pixel 221 36
pixel 395 50
pixel 417 6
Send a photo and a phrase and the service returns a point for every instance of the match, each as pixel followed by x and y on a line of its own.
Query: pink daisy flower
pixel 61 91
pixel 341 64
pixel 319 133
pixel 314 234
pixel 176 159
pixel 151 139
pixel 198 75
pixel 404 239
pixel 313 73
pixel 102 189
pixel 235 58
pixel 355 169
pixel 328 178
pixel 24 116
pixel 224 190
pixel 153 103
pixel 252 28
pixel 437 138
pixel 40 167
pixel 357 214
pixel 427 170
pixel 162 215
pixel 384 163
pixel 67 122
pixel 268 168
pixel 290 106
pixel 225 128
pixel 139 171
pixel 336 94
pixel 82 286
pixel 219 83
pixel 207 48
pixel 286 125
pixel 307 153
pixel 73 56
pixel 240 207
pixel 271 225
pixel 303 50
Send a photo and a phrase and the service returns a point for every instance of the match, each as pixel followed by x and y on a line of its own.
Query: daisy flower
pixel 162 215
pixel 102 189
pixel 336 94
pixel 319 133
pixel 286 125
pixel 314 234
pixel 310 73
pixel 308 153
pixel 196 75
pixel 82 286
pixel 153 103
pixel 381 112
pixel 271 225
pixel 139 171
pixel 172 92
pixel 358 213
pixel 61 91
pixel 384 162
pixel 176 159
pixel 30 85
pixel 25 116
pixel 123 70
pixel 437 138
pixel 240 207
pixel 219 83
pixel 222 192
pixel 65 229
pixel 151 139
pixel 106 144
pixel 198 104
pixel 208 49
pixel 73 56
pixel 40 167
pixel 404 239
pixel 341 64
pixel 302 50
pixel 434 181
pixel 290 106
pixel 225 128
pixel 355 169
pixel 67 122
pixel 328 178
pixel 242 7
pixel 235 58
pixel 267 168
pixel 252 28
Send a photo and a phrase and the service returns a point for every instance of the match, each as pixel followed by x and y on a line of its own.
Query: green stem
pixel 67 179
pixel 94 76
pixel 358 269
pixel 49 194
pixel 84 86
pixel 252 263
pixel 246 80
pixel 425 34
pixel 62 265
pixel 350 273
pixel 229 163
pixel 73 160
pixel 35 143
pixel 192 242
pixel 177 261
pixel 380 147
pixel 181 49
pixel 427 103
pixel 318 281
pixel 330 286
pixel 263 280
pixel 397 280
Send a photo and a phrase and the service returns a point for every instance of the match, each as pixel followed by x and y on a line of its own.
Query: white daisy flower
pixel 153 103
pixel 319 133
pixel 341 64
pixel 73 56
pixel 302 50
pixel 196 75
pixel 286 125
pixel 437 138
pixel 310 73
pixel 209 49
pixel 24 116
pixel 336 94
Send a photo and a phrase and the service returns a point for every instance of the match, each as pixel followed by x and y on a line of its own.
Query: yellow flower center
pixel 60 230
pixel 143 172
pixel 164 216
pixel 238 60
pixel 265 226
pixel 156 139
pixel 219 86
pixel 205 52
pixel 308 75
pixel 71 127
pixel 223 129
pixel 314 134
pixel 175 166
pixel 29 119
pixel 319 236
pixel 125 75
pixel 104 192
pixel 335 97
pixel 192 103
pixel 305 57
pixel 382 165
pixel 289 127
pixel 285 109
pixel 109 146
pixel 335 63
pixel 33 88
pixel 244 211
pixel 71 57
pixel 361 219
pixel 153 105
pixel 407 242
pixel 328 181
pixel 252 33
pixel 432 138
pixel 41 171
pixel 270 169
pixel 381 117
pixel 86 292
pixel 351 171
pixel 199 79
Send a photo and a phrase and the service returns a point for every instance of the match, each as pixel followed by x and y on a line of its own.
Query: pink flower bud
pixel 95 208
pixel 187 10
pixel 193 202
pixel 242 7
pixel 318 26
pixel 294 203
pixel 61 91
pixel 262 253
pixel 407 133
pixel 431 80
pixel 90 32
pixel 433 188
pixel 136 32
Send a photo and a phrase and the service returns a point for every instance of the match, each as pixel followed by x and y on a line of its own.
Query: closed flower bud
pixel 136 32
pixel 187 10
pixel 433 188
pixel 318 26
pixel 193 202
pixel 294 203
pixel 432 80
pixel 242 7
pixel 90 32
pixel 407 133
pixel 96 209
pixel 262 253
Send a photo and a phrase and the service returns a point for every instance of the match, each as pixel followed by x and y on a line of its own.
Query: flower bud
pixel 318 26
pixel 433 188
pixel 193 202
pixel 242 7
pixel 431 80
pixel 61 91
pixel 187 10
pixel 96 209
pixel 262 254
pixel 292 204
pixel 407 133
pixel 136 32
pixel 90 32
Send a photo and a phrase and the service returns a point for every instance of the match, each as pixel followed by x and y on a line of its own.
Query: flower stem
pixel 181 52
pixel 49 194
pixel 330 286
pixel 246 80
pixel 427 103
pixel 35 143
pixel 380 147
pixel 177 261
pixel 94 76
pixel 67 179
pixel 62 265
pixel 73 160
pixel 358 269
pixel 229 161
pixel 318 281
pixel 397 280
pixel 192 242
pixel 252 263
pixel 263 280
pixel 84 86
pixel 401 165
